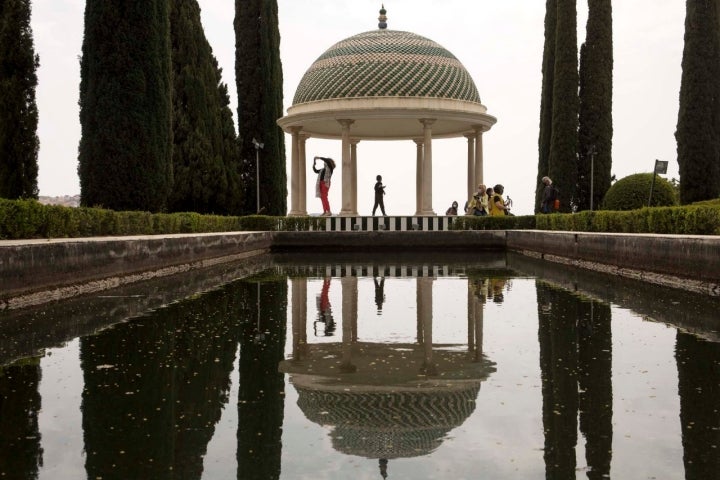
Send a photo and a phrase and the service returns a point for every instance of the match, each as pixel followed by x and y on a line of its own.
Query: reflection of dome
pixel 386 63
pixel 387 407
pixel 390 424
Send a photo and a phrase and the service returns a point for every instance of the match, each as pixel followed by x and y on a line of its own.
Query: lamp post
pixel 258 146
pixel 591 152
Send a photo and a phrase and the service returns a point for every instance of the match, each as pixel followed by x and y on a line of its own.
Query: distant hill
pixel 65 200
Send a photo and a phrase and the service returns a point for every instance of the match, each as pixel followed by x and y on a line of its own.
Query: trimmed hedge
pixel 689 220
pixel 471 222
pixel 22 219
pixel 30 219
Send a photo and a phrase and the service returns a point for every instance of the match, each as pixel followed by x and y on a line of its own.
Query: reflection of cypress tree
pixel 20 454
pixel 261 398
pixel 155 388
pixel 595 379
pixel 698 365
pixel 557 334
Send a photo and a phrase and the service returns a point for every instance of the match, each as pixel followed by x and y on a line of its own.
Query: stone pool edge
pixel 33 272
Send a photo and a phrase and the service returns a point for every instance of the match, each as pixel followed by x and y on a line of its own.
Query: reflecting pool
pixel 365 367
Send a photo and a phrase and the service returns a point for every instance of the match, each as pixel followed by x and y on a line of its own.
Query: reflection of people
pixel 379 193
pixel 379 293
pixel 325 310
pixel 322 186
pixel 497 285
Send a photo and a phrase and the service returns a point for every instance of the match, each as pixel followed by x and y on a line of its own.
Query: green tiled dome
pixel 386 63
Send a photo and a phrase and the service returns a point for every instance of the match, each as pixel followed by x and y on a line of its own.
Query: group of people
pixel 485 201
pixel 322 186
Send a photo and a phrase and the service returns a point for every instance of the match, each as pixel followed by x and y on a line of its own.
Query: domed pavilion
pixel 385 85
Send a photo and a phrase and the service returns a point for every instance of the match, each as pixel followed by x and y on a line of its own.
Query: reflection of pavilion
pixel 385 400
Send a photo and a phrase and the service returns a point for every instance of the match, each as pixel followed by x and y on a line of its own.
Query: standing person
pixel 379 192
pixel 488 198
pixel 550 194
pixel 498 203
pixel 322 186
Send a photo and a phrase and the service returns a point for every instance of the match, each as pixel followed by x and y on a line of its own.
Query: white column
pixel 418 176
pixel 349 286
pixel 471 184
pixel 298 288
pixel 353 161
pixel 427 167
pixel 479 154
pixel 302 178
pixel 425 318
pixel 294 171
pixel 347 180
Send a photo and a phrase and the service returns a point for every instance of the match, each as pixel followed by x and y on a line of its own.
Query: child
pixel 379 192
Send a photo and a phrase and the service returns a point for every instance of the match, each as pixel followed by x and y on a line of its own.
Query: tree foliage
pixel 698 127
pixel 595 117
pixel 205 150
pixel 546 98
pixel 125 154
pixel 258 74
pixel 19 143
pixel 562 159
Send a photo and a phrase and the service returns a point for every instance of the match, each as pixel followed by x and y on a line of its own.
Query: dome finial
pixel 382 18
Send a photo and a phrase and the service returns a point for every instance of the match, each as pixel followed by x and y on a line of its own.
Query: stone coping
pixel 30 269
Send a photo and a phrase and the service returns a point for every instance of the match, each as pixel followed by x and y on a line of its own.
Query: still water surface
pixel 366 369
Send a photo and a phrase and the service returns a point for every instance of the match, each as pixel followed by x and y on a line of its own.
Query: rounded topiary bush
pixel 633 191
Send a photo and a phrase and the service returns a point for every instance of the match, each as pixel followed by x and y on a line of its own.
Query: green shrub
pixel 633 192
pixel 471 222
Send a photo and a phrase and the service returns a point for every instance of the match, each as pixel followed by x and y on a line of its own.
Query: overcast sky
pixel 499 42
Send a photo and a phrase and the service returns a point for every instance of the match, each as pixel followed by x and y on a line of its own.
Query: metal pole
pixel 652 186
pixel 592 180
pixel 592 175
pixel 258 146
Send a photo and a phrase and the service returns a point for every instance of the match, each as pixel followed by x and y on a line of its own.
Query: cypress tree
pixel 205 145
pixel 595 118
pixel 258 73
pixel 698 127
pixel 19 143
pixel 546 98
pixel 125 105
pixel 562 161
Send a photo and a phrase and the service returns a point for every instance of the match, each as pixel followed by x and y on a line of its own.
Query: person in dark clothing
pixel 550 194
pixel 379 193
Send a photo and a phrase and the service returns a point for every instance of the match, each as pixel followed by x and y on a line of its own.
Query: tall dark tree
pixel 125 105
pixel 258 73
pixel 205 150
pixel 19 142
pixel 562 161
pixel 698 128
pixel 595 119
pixel 546 98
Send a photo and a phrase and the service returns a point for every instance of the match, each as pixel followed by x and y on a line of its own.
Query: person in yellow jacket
pixel 497 203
